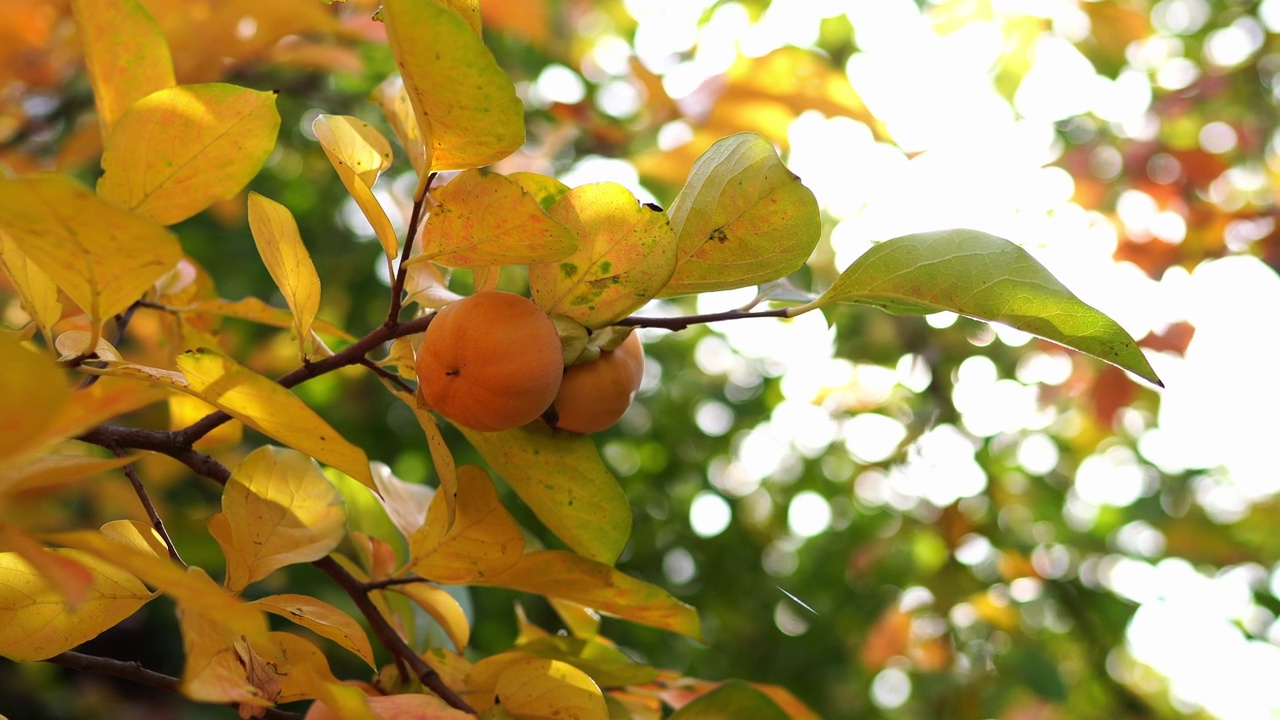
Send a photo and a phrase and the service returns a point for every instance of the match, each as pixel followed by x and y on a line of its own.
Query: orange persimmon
pixel 594 395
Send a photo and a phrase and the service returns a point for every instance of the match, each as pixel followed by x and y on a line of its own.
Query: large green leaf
pixel 731 701
pixel 988 278
pixel 561 478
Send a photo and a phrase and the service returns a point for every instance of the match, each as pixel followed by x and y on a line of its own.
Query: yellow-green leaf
pixel 33 391
pixel 556 573
pixel 392 97
pixel 35 621
pixel 742 219
pixel 467 109
pixel 536 688
pixel 483 218
pixel 359 154
pixel 441 606
pixel 561 478
pixel 546 189
pixel 125 54
pixel 321 618
pixel 271 410
pixel 102 257
pixel 175 152
pixel 626 254
pixel 281 510
pixel 989 278
pixel 280 244
pixel 255 310
pixel 483 539
pixel 732 700
pixel 38 292
pixel 606 664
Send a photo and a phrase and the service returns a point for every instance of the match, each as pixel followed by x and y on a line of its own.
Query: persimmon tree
pixel 90 263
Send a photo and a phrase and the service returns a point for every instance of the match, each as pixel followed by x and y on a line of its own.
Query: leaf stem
pixel 681 323
pixel 156 523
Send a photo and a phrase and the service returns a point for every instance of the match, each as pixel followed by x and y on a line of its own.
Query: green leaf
pixel 988 278
pixel 741 219
pixel 625 255
pixel 175 152
pixel 731 701
pixel 561 478
pixel 556 573
pixel 467 109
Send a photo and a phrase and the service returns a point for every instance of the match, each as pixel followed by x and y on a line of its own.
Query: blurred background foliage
pixel 892 517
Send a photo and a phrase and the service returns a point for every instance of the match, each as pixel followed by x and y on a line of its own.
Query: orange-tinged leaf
pixel 53 471
pixel 556 573
pixel 626 254
pixel 321 618
pixel 561 477
pixel 535 688
pixel 69 577
pixel 451 666
pixel 793 706
pixel 483 540
pixel 175 152
pixel 271 410
pixel 103 258
pixel 546 189
pixel 442 606
pixel 406 503
pixel 191 587
pixel 466 105
pixel 410 706
pixel 280 245
pixel 125 54
pixel 359 154
pixel 281 510
pixel 483 218
pixel 35 620
pixel 393 98
pixel 732 700
pixel 107 399
pixel 38 292
pixel 741 219
pixel 218 662
pixel 301 671
pixel 255 310
pixel 33 391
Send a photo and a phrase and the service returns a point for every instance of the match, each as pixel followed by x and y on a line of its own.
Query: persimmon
pixel 394 707
pixel 594 395
pixel 490 361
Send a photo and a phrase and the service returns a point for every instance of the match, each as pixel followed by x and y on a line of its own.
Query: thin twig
pixel 156 523
pixel 128 670
pixel 122 324
pixel 386 375
pixel 402 270
pixel 388 582
pixel 388 635
pixel 680 323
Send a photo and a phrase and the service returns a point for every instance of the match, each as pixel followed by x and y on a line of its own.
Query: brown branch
pixel 133 671
pixel 386 375
pixel 150 508
pixel 680 323
pixel 388 635
pixel 389 582
pixel 118 436
pixel 402 270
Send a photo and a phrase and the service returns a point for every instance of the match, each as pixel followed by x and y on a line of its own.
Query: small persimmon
pixel 594 395
pixel 490 361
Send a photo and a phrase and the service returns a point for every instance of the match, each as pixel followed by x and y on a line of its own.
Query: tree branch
pixel 133 671
pixel 402 270
pixel 681 323
pixel 150 508
pixel 388 635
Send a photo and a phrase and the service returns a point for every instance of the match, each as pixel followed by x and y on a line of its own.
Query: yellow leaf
pixel 406 503
pixel 392 97
pixel 218 662
pixel 561 478
pixel 125 54
pixel 33 392
pixel 254 310
pixel 50 472
pixel 105 400
pixel 271 410
pixel 75 343
pixel 546 189
pixel 442 606
pixel 535 688
pixel 483 219
pixel 38 292
pixel 185 410
pixel 483 540
pixel 466 106
pixel 281 510
pixel 626 253
pixel 741 219
pixel 191 587
pixel 556 573
pixel 581 621
pixel 177 151
pixel 280 245
pixel 321 618
pixel 359 154
pixel 468 10
pixel 301 671
pixel 70 578
pixel 35 621
pixel 102 257
pixel 441 455
pixel 137 535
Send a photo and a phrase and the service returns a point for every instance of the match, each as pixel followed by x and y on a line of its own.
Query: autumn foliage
pixel 452 349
